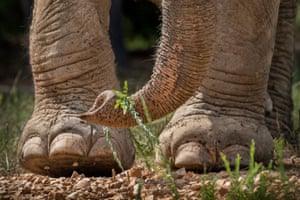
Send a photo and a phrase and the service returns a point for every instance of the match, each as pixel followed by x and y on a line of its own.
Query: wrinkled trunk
pixel 279 86
pixel 182 60
pixel 183 57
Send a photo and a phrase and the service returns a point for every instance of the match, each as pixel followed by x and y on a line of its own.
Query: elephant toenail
pixel 193 155
pixel 33 148
pixel 68 144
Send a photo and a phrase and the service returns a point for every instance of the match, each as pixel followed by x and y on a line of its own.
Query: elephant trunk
pixel 182 60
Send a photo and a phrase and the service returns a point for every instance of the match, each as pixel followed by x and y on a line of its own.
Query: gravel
pixel 136 183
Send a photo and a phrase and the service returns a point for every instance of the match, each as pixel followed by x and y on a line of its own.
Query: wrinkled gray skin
pixel 214 57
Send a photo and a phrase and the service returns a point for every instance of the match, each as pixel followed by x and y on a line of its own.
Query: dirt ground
pixel 137 183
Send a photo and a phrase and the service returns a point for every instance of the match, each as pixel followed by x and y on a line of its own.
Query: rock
pixel 179 173
pixel 82 184
pixel 73 195
pixel 56 195
pixel 136 172
pixel 196 186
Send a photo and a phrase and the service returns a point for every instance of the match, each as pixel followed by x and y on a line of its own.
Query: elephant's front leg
pixel 72 61
pixel 228 110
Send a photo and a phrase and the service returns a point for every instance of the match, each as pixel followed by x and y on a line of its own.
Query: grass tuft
pixel 15 108
pixel 208 189
pixel 259 182
pixel 127 105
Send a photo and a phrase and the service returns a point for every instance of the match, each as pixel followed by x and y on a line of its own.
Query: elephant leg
pixel 72 61
pixel 227 112
pixel 280 80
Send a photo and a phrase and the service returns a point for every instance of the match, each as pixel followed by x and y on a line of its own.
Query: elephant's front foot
pixel 57 148
pixel 195 142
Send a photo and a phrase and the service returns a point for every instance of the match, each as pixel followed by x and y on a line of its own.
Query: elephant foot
pixel 195 142
pixel 71 144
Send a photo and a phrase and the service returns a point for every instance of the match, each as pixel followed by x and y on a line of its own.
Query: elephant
pixel 213 65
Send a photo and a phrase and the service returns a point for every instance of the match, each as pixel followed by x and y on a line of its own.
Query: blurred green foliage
pixel 141 25
pixel 15 109
pixel 140 22
pixel 298 16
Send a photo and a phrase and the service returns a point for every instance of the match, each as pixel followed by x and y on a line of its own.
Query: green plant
pixel 107 138
pixel 245 188
pixel 139 190
pixel 286 186
pixel 259 182
pixel 278 151
pixel 127 105
pixel 208 189
pixel 15 109
pixel 298 16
